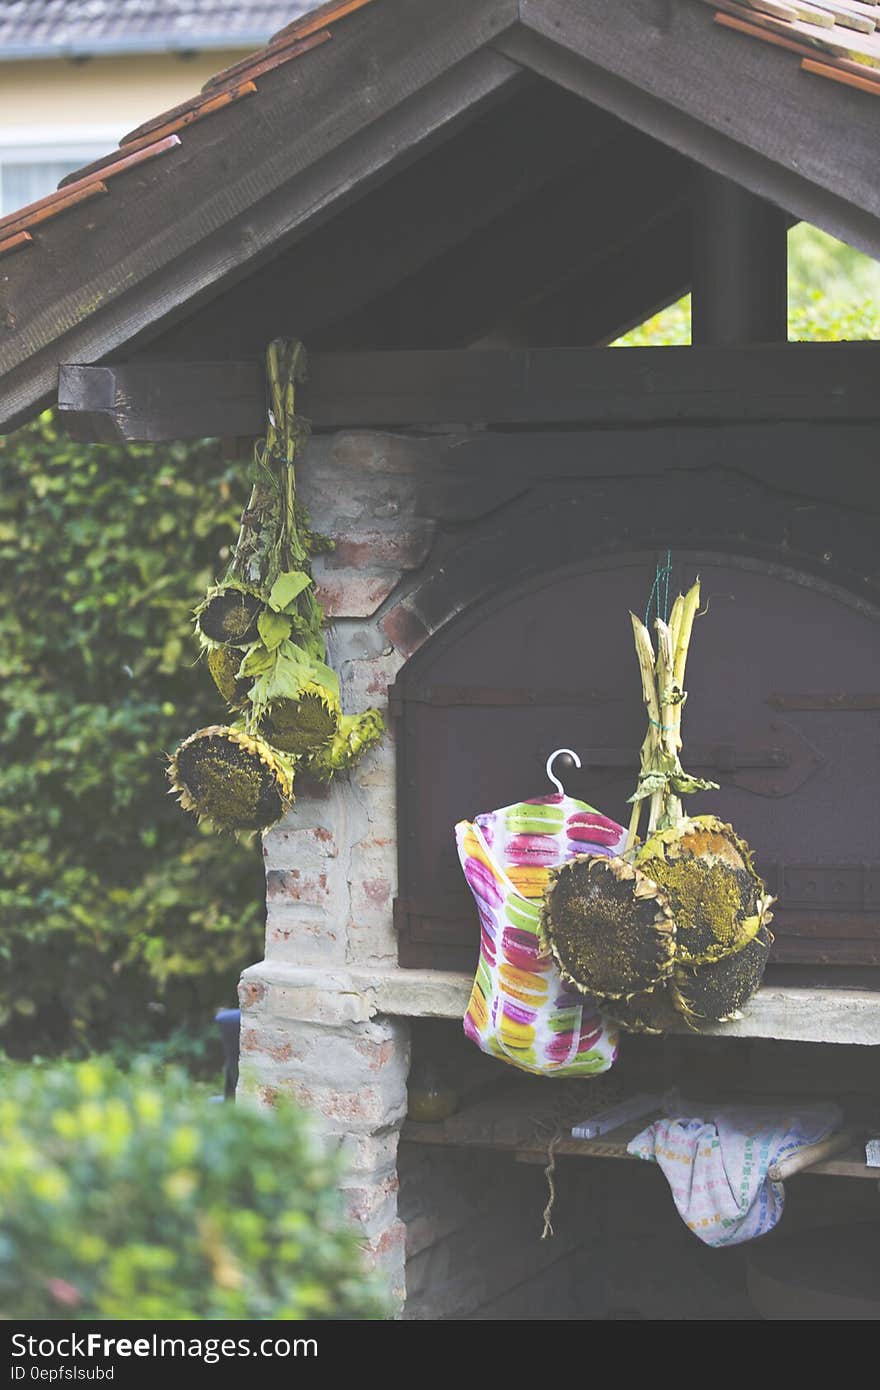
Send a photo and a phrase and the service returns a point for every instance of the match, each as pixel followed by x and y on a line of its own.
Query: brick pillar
pixel 312 1027
pixel 309 1029
pixel 312 1039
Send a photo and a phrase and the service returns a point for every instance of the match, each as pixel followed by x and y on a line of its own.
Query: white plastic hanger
pixel 551 760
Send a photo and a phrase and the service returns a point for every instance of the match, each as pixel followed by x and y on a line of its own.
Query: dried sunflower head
pixel 651 1012
pixel 706 874
pixel 304 725
pixel 233 780
pixel 223 663
pixel 718 991
pixel 355 735
pixel 608 927
pixel 228 616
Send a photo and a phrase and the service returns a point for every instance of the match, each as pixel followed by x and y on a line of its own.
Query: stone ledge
pixel 367 990
pixel 787 1013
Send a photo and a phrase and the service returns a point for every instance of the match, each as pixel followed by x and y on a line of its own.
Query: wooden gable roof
pixel 369 118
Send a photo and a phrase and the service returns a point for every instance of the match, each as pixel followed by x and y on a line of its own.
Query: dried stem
pixel 646 660
pixel 669 811
pixel 663 692
pixel 690 603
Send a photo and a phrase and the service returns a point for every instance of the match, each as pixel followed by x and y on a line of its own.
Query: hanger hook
pixel 551 760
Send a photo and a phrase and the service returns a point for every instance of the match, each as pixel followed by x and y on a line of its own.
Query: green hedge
pixel 119 918
pixel 128 1197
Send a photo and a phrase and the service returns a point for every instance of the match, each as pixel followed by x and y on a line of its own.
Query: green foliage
pixel 671 327
pixel 818 263
pixel 131 1197
pixel 833 296
pixel 118 916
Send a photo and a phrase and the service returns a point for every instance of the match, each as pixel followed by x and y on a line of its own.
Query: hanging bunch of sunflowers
pixel 262 631
pixel 678 924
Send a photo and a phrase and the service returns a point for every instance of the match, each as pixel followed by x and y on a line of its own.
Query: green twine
pixel 661 582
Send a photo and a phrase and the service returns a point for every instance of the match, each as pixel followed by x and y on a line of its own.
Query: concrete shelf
pixel 791 1013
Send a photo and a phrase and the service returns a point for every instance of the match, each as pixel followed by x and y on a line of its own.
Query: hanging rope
pixel 659 595
pixel 551 1186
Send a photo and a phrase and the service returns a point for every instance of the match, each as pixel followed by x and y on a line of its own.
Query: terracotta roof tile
pixel 186 114
pixel 52 205
pixel 265 59
pixel 842 34
pixel 16 242
pixel 316 19
pixel 849 79
pixel 751 28
pixel 160 134
pixel 83 186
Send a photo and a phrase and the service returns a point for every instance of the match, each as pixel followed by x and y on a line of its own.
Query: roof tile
pixel 848 79
pixel 65 197
pixel 265 59
pixel 16 243
pixel 316 19
pixel 178 118
pixel 848 44
pixel 159 135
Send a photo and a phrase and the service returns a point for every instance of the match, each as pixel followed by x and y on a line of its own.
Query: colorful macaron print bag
pixel 520 1010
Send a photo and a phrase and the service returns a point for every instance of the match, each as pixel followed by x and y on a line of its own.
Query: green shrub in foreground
pixel 126 1196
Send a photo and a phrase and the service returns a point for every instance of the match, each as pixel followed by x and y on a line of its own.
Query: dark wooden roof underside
pixel 403 174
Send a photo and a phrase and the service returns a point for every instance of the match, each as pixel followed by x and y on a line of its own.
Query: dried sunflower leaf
pixel 257 661
pixel 273 628
pixel 290 671
pixel 324 675
pixel 649 784
pixel 684 783
pixel 286 588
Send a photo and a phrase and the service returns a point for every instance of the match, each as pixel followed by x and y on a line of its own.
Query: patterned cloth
pixel 520 1010
pixel 717 1166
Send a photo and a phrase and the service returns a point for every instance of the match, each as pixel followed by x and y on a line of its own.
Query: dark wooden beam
pixel 740 265
pixel 555 238
pixel 565 386
pixel 533 135
pixel 647 270
pixel 720 98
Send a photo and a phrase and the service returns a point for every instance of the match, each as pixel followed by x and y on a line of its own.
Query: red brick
pixel 377 1054
pixel 378 890
pixel 391 1242
pixel 405 629
pixel 375 550
pixel 295 886
pixel 363 1203
pixel 250 992
pixel 353 595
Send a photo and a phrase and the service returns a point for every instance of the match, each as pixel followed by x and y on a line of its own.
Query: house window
pixel 32 165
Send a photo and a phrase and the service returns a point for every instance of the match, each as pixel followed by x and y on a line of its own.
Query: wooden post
pixel 740 266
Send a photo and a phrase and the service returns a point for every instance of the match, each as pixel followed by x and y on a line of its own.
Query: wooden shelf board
pixel 508 1125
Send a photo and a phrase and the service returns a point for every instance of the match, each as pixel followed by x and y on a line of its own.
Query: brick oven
pixel 455 207
pixel 491 553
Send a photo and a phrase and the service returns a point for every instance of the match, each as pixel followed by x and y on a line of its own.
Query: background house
pixel 75 75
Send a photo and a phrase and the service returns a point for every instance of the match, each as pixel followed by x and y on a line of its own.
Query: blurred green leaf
pixel 112 901
pixel 130 1195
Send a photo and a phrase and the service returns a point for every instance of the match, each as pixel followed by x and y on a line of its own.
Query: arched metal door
pixel 783 710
